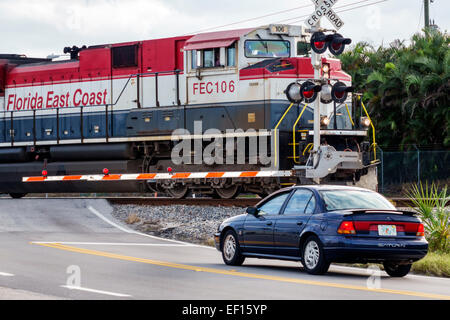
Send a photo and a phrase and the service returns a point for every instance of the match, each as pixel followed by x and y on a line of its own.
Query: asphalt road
pixel 75 249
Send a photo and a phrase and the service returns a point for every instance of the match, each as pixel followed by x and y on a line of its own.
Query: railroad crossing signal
pixel 308 92
pixel 324 9
pixel 336 43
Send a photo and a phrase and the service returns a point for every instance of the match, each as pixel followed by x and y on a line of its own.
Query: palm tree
pixel 406 87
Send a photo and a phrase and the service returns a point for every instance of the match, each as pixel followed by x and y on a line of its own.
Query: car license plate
pixel 387 230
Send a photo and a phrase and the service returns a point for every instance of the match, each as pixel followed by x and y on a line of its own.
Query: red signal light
pixel 340 91
pixel 308 94
pixel 169 170
pixel 319 45
pixel 106 171
pixel 347 227
pixel 309 91
pixel 334 42
pixel 337 44
pixel 44 173
pixel 319 42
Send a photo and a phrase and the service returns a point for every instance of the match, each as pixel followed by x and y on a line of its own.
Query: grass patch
pixel 210 242
pixel 434 264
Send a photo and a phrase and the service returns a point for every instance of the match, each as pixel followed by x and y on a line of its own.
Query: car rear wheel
pixel 397 270
pixel 313 259
pixel 231 252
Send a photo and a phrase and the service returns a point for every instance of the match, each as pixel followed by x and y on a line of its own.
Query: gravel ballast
pixel 194 224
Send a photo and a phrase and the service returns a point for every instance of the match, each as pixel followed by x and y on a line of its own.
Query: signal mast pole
pixel 316 60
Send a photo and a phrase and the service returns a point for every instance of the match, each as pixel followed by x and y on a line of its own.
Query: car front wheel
pixel 397 270
pixel 313 259
pixel 231 252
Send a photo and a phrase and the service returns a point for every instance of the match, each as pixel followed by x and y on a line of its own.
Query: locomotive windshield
pixel 267 49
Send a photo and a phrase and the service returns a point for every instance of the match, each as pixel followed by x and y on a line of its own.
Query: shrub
pixel 430 203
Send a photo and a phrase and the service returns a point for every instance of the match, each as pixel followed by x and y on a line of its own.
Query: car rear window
pixel 354 199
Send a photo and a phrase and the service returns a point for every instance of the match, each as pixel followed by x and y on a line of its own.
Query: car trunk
pixel 385 224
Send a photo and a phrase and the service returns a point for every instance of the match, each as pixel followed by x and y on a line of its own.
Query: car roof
pixel 323 187
pixel 313 187
pixel 330 187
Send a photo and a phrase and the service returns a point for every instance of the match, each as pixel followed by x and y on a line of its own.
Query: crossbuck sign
pixel 324 9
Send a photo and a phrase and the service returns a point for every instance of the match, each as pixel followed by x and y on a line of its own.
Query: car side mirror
pixel 253 211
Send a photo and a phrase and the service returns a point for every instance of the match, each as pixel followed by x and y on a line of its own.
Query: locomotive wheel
pixel 17 195
pixel 178 191
pixel 229 192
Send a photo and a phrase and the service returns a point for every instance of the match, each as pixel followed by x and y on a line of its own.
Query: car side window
pixel 300 203
pixel 311 207
pixel 273 206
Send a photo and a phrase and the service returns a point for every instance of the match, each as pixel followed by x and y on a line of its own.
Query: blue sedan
pixel 318 225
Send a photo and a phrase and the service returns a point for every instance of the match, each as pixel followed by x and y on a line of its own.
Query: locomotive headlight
pixel 365 122
pixel 324 121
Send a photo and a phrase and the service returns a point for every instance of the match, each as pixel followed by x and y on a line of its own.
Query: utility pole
pixel 426 4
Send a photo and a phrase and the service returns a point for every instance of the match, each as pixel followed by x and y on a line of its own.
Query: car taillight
pixel 347 227
pixel 421 230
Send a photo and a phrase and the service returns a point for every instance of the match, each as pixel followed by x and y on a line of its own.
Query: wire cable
pixel 420 18
pixel 254 19
pixel 299 18
pixel 340 11
pixel 307 15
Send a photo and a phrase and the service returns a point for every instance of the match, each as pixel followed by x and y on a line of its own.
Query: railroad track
pixel 240 202
pixel 162 201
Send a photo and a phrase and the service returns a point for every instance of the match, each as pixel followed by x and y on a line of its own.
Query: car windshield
pixel 354 199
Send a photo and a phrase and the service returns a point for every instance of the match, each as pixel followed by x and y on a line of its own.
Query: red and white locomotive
pixel 117 106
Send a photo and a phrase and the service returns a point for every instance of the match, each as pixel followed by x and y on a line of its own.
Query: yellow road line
pixel 241 274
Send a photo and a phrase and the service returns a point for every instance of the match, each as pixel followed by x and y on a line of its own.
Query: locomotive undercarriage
pixel 155 157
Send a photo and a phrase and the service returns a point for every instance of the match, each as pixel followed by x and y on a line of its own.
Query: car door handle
pixel 269 223
pixel 299 223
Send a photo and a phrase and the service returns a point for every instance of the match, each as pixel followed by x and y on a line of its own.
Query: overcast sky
pixel 42 27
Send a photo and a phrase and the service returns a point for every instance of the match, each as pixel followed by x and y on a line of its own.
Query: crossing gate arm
pixel 160 176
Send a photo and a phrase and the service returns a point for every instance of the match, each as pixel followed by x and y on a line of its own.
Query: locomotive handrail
pixel 275 133
pixel 308 148
pixel 349 116
pixel 176 72
pixel 374 144
pixel 293 134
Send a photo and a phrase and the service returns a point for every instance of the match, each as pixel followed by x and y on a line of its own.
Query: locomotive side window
pixel 207 58
pixel 231 55
pixel 125 56
pixel 194 59
pixel 211 58
pixel 2 84
pixel 303 48
pixel 267 49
